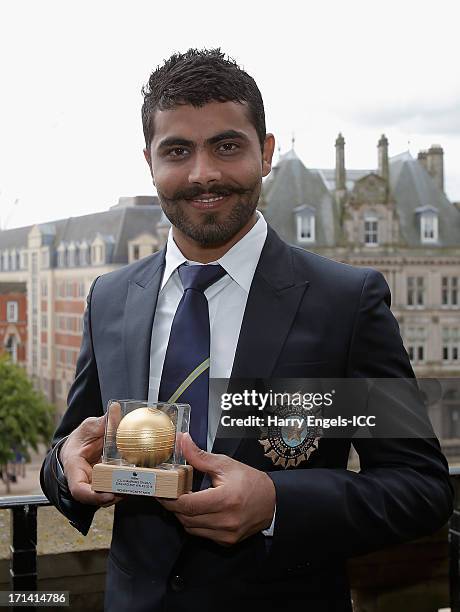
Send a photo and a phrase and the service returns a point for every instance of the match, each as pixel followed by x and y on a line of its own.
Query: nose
pixel 204 169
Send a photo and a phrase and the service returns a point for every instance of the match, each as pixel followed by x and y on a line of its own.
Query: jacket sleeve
pixel 84 400
pixel 402 491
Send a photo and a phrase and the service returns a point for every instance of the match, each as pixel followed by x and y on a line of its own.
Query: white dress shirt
pixel 226 301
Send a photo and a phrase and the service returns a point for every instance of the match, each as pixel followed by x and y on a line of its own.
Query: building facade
pixel 57 263
pixel 395 218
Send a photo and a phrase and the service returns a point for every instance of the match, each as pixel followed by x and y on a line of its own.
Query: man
pixel 256 536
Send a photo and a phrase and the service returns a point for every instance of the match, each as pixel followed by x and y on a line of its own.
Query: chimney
pixel 435 164
pixel 384 169
pixel 340 177
pixel 422 159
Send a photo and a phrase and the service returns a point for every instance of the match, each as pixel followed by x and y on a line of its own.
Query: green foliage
pixel 26 418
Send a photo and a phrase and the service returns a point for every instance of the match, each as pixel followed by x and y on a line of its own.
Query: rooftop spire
pixel 340 175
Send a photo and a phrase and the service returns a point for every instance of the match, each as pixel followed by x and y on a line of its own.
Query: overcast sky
pixel 71 73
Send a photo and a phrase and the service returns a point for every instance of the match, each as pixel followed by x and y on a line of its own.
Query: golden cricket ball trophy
pixel 142 452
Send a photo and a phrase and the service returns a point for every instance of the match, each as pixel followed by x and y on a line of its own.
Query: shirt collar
pixel 239 262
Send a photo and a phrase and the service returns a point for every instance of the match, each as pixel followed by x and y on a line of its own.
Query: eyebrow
pixel 183 142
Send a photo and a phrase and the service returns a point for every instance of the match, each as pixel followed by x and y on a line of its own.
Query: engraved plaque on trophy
pixel 142 452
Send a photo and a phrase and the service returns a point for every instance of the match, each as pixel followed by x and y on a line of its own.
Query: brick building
pixel 57 262
pixel 13 321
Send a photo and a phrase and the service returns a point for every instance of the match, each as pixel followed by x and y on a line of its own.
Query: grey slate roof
pixel 14 238
pixel 117 226
pixel 328 176
pixel 291 186
pixel 414 189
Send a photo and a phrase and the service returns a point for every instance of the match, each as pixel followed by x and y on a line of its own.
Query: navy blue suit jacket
pixel 306 316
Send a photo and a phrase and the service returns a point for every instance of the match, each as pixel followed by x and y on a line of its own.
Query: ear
pixel 148 159
pixel 267 154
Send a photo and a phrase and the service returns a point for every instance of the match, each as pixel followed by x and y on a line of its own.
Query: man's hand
pixel 78 454
pixel 241 502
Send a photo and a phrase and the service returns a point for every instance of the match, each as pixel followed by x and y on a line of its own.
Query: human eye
pixel 177 152
pixel 228 147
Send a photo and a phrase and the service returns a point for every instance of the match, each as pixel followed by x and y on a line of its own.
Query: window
pixel 11 348
pixel 449 290
pixel 416 340
pixel 69 289
pixel 62 259
pixel 44 321
pixel 371 235
pixel 45 263
pixel 12 312
pixel 25 260
pixel 81 289
pixel 415 291
pixel 71 257
pixel 44 353
pixel 306 228
pixel 136 251
pixel 450 344
pixel 44 288
pixel 429 227
pixel 97 254
pixel 84 255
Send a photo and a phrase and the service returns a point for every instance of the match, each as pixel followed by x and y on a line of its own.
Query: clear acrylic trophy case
pixel 142 452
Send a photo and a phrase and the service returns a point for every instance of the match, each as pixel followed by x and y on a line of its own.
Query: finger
pixel 117 498
pixel 92 427
pixel 200 459
pixel 78 478
pixel 206 501
pixel 83 493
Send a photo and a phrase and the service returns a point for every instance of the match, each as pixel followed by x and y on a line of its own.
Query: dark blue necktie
pixel 185 375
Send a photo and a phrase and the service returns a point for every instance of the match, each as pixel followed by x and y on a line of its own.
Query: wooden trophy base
pixel 170 481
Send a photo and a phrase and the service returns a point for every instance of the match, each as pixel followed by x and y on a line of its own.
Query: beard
pixel 216 228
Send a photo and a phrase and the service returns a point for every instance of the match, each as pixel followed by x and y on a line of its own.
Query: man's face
pixel 207 166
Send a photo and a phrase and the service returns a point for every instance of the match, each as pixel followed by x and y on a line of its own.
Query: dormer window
pixel 62 255
pixel 429 227
pixel 141 246
pixel 371 230
pixel 72 255
pixel 84 253
pixel 305 224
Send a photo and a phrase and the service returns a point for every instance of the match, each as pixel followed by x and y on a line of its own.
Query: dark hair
pixel 197 77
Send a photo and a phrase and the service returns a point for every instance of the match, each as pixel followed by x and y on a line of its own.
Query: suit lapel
pixel 137 324
pixel 273 302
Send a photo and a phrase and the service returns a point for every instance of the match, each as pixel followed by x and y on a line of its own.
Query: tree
pixel 26 418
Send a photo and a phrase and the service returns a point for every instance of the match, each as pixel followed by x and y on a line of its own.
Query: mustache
pixel 217 190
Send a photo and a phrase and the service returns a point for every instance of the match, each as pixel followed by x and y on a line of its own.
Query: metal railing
pixel 23 537
pixel 23 547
